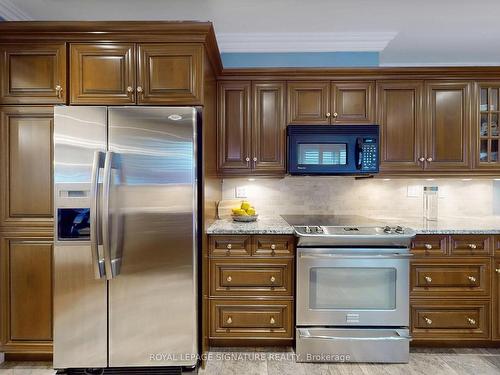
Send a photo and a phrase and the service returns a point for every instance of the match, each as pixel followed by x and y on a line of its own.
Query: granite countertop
pixel 449 225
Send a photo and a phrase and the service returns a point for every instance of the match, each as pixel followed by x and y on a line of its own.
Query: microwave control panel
pixel 369 155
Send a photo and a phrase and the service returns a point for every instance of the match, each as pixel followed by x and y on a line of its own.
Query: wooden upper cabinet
pixel 102 73
pixel 234 121
pixel 447 125
pixel 400 120
pixel 485 126
pixel 309 102
pixel 353 102
pixel 26 165
pixel 33 73
pixel 269 127
pixel 170 74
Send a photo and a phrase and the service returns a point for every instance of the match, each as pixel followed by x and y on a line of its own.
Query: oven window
pixel 322 153
pixel 352 288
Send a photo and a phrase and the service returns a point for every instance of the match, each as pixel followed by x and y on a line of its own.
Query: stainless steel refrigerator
pixel 125 193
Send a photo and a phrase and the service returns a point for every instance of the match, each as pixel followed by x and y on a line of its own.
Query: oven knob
pixel 308 230
pixel 427 320
pixel 387 229
pixel 400 230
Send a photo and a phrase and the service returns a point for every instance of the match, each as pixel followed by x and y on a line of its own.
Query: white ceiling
pixel 407 32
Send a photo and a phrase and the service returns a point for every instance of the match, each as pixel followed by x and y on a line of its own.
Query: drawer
pixel 274 245
pixel 470 245
pixel 429 245
pixel 251 277
pixel 450 319
pixel 230 246
pixel 255 319
pixel 450 277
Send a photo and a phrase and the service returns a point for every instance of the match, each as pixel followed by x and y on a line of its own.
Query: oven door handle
pixel 307 335
pixel 354 256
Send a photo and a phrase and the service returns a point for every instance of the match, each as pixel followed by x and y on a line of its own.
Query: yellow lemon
pixel 251 211
pixel 245 205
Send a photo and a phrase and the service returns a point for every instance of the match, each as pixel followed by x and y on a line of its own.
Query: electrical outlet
pixel 414 191
pixel 241 192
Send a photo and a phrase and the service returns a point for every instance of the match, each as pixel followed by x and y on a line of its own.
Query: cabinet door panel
pixel 353 102
pixel 268 130
pixel 496 299
pixel 308 102
pixel 448 126
pixel 102 73
pixel 33 73
pixel 485 127
pixel 170 73
pixel 234 134
pixel 27 164
pixel 399 112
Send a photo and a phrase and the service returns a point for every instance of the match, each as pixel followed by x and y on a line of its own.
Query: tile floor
pixel 258 361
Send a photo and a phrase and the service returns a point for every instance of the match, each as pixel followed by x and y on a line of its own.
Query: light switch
pixel 241 192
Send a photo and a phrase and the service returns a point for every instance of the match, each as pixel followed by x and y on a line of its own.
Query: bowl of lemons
pixel 245 213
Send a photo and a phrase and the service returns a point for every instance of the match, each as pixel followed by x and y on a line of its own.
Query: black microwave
pixel 333 149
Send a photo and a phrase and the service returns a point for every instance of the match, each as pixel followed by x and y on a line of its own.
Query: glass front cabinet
pixel 488 130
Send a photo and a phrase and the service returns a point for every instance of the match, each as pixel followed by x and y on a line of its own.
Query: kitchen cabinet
pixel 401 127
pixel 485 128
pixel 126 73
pixel 33 73
pixel 496 299
pixel 447 125
pixel 26 293
pixel 251 128
pixel 323 103
pixel 26 159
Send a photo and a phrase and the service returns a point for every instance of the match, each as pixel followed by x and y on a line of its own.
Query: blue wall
pixel 300 59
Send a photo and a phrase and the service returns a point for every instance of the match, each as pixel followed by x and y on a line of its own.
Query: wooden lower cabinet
pixel 26 293
pixel 496 300
pixel 251 289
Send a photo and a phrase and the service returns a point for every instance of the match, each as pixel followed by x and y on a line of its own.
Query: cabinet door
pixel 268 130
pixel 33 73
pixel 26 155
pixel 308 103
pixel 170 74
pixel 26 270
pixel 447 125
pixel 353 102
pixel 401 132
pixel 485 126
pixel 496 299
pixel 102 73
pixel 234 136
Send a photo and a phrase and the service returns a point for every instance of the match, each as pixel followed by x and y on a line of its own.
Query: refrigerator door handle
pixel 106 238
pixel 94 217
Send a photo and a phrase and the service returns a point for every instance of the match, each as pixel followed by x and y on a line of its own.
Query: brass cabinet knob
pixel 428 246
pixel 472 279
pixel 247 159
pixel 229 246
pixel 429 159
pixel 139 89
pixel 471 321
pixel 472 246
pixel 59 90
pixel 254 159
pixel 421 159
pixel 328 115
pixel 335 114
pixel 229 279
pixel 273 247
pixel 273 279
pixel 130 89
pixel 428 321
pixel 497 270
pixel 229 320
pixel 428 279
pixel 272 321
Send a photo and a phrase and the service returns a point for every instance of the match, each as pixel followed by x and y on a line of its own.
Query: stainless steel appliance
pixel 353 293
pixel 126 237
pixel 333 150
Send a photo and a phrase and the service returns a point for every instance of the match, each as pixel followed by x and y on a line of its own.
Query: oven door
pixel 345 287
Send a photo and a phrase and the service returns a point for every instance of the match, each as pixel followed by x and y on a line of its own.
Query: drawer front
pixel 274 245
pixel 450 319
pixel 470 245
pixel 429 245
pixel 251 277
pixel 230 246
pixel 256 319
pixel 446 277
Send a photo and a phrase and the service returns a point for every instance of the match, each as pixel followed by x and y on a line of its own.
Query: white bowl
pixel 245 219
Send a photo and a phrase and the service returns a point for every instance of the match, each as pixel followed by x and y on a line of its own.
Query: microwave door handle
pixel 359 153
pixel 94 217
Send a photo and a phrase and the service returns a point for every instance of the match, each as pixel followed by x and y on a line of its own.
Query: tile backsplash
pixel 367 197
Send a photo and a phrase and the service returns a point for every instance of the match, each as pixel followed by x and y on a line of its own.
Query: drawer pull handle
pixel 428 321
pixel 472 246
pixel 471 321
pixel 59 90
pixel 497 270
pixel 229 279
pixel 229 320
pixel 273 247
pixel 273 279
pixel 272 321
pixel 229 246
pixel 428 279
pixel 472 279
pixel 428 246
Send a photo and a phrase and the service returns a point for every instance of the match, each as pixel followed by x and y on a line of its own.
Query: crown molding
pixel 11 12
pixel 304 42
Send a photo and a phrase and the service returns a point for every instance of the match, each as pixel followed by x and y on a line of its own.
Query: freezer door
pixel 80 296
pixel 152 236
